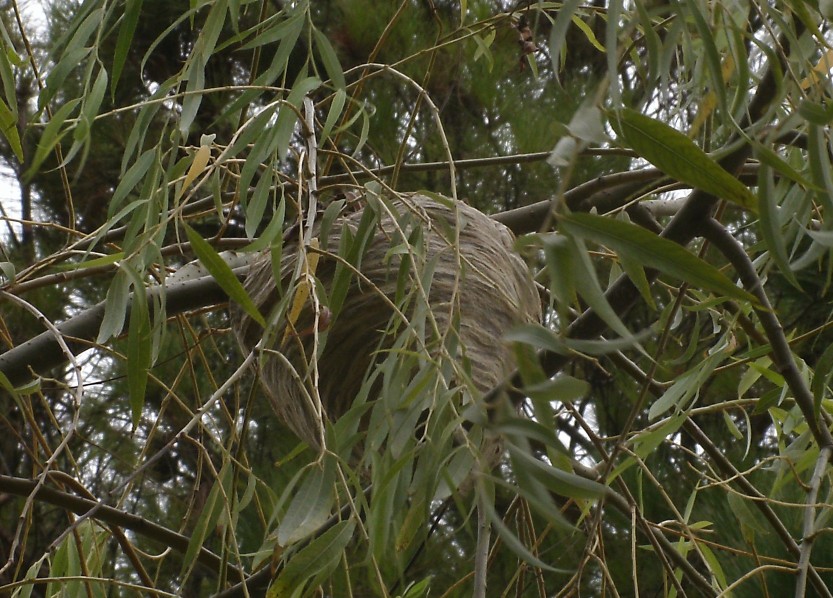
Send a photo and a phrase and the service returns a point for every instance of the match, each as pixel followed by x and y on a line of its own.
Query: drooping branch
pixel 781 353
pixel 43 352
pixel 810 529
pixel 140 525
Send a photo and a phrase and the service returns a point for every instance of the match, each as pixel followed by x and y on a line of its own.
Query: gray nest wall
pixel 479 288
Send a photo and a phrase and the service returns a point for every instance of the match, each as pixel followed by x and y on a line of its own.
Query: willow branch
pixel 44 352
pixel 810 531
pixel 481 551
pixel 111 516
pixel 782 356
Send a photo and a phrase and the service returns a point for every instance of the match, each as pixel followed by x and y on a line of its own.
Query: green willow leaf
pixel 773 160
pixel 679 395
pixel 115 307
pixel 256 206
pixel 653 42
pixel 52 134
pixel 562 388
pixel 563 483
pixel 589 288
pixel 126 30
pixel 69 61
pixel 512 541
pixel 679 157
pixel 528 429
pixel 710 53
pixel 90 109
pixel 134 175
pixel 285 125
pixel 329 58
pixel 636 272
pixel 6 384
pixel 646 442
pixel 558 33
pixel 770 227
pixel 8 127
pixel 310 507
pixel 540 337
pixel 336 108
pixel 290 27
pixel 212 509
pixel 817 114
pixel 222 273
pixel 314 562
pixel 821 376
pixel 713 563
pixel 139 354
pixel 654 252
pixel 203 50
pixel 7 76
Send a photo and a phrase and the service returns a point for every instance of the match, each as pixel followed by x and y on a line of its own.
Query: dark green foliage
pixel 667 429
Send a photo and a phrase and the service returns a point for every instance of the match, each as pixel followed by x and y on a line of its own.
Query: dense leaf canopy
pixel 664 429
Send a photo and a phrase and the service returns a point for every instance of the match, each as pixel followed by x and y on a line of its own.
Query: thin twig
pixel 481 552
pixel 759 500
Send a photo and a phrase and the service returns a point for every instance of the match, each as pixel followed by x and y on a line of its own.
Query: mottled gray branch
pixel 140 525
pixel 41 353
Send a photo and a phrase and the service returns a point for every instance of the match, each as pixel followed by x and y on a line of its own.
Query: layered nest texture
pixel 397 253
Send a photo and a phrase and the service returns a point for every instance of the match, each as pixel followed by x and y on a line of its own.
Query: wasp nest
pixel 478 284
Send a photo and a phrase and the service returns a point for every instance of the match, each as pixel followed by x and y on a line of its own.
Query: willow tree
pixel 664 427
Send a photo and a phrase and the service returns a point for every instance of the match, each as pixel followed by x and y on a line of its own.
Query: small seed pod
pixel 477 284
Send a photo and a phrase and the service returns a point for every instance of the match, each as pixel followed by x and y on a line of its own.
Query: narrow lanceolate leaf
pixel 302 291
pixel 315 562
pixel 128 27
pixel 564 483
pixel 636 272
pixel 679 157
pixel 310 508
pixel 222 273
pixel 8 127
pixel 134 175
pixel 210 515
pixel 52 134
pixel 330 60
pixel 686 386
pixel 285 124
pixel 512 541
pixel 654 252
pixel 198 166
pixel 139 351
pixel 769 225
pixel 7 76
pixel 821 376
pixel 6 384
pixel 558 33
pixel 115 307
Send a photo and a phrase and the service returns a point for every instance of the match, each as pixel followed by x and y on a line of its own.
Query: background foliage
pixel 666 166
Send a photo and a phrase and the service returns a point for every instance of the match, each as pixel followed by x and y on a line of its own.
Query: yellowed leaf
pixel 710 101
pixel 201 159
pixel 703 114
pixel 302 291
pixel 728 68
pixel 819 71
